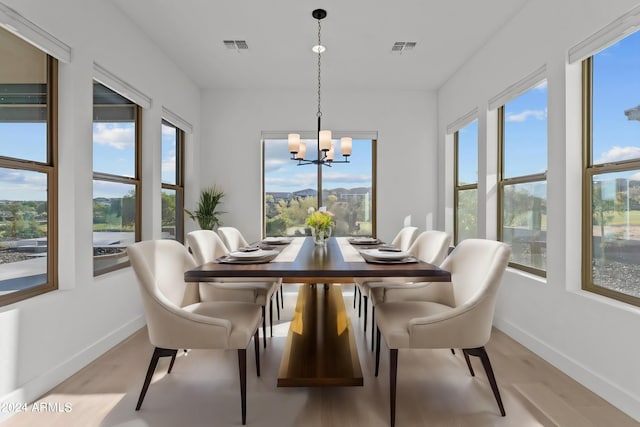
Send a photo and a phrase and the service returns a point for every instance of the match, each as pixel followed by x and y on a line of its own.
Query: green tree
pixel 168 209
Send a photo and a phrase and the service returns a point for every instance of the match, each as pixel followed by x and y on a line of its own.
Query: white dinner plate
pixel 376 253
pixel 260 253
pixel 274 240
pixel 364 241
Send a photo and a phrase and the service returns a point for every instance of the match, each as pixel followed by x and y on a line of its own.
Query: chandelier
pixel 326 153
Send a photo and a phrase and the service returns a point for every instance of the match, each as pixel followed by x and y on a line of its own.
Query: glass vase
pixel 320 236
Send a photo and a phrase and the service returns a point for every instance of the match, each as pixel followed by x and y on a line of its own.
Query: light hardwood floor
pixel 434 388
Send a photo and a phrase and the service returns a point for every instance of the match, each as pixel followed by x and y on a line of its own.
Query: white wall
pixel 591 338
pixel 233 120
pixel 47 338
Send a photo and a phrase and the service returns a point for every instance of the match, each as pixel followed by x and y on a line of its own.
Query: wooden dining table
pixel 320 349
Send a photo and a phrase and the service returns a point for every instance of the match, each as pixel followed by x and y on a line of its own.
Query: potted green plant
pixel 206 214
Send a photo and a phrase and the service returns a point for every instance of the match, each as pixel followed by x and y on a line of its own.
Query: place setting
pixel 249 255
pixel 387 255
pixel 276 240
pixel 364 241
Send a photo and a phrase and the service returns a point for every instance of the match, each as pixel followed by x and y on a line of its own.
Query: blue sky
pixel 616 137
pixel 525 138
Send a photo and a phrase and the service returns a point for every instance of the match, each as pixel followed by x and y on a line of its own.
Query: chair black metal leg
pixel 173 359
pixel 377 350
pixel 466 357
pixel 373 324
pixel 256 345
pixel 366 299
pixel 355 293
pixel 393 376
pixel 360 305
pixel 484 357
pixel 264 325
pixel 277 306
pixel 271 316
pixel 281 298
pixel 158 352
pixel 242 365
pixel 453 351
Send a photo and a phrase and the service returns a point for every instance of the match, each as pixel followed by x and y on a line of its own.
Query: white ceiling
pixel 358 35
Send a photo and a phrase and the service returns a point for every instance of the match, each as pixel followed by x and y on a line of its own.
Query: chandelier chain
pixel 319 114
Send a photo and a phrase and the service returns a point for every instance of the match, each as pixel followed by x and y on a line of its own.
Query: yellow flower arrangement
pixel 319 221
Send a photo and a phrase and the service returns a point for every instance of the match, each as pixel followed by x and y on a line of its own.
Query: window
pixel 466 182
pixel 28 162
pixel 116 182
pixel 522 181
pixel 611 222
pixel 348 190
pixel 172 182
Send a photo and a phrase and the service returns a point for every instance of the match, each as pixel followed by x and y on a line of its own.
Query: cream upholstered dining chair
pixel 430 246
pixel 178 319
pixel 403 241
pixel 234 240
pixel 207 246
pixel 462 319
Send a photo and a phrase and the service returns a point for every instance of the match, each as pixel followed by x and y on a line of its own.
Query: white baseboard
pixel 623 399
pixel 40 385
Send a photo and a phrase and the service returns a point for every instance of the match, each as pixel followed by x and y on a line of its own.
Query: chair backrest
pixel 431 246
pixel 476 267
pixel 405 238
pixel 159 266
pixel 206 246
pixel 232 238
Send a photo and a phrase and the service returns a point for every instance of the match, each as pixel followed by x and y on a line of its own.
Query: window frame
pixel 136 181
pixel 178 187
pixel 457 188
pixel 374 167
pixel 50 168
pixel 504 182
pixel 589 170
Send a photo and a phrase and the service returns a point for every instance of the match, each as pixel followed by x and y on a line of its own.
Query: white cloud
pixel 526 114
pixel 113 135
pixel 541 86
pixel 635 177
pixel 299 181
pixel 168 131
pixel 345 177
pixel 19 185
pixel 619 153
pixel 272 165
pixel 169 165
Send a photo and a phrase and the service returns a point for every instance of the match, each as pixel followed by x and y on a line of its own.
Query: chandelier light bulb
pixel 346 145
pixel 293 142
pixel 325 140
pixel 302 150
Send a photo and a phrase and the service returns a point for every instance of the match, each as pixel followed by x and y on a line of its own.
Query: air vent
pixel 399 47
pixel 236 44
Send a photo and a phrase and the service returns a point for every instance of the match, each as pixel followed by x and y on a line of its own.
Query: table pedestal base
pixel 320 350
